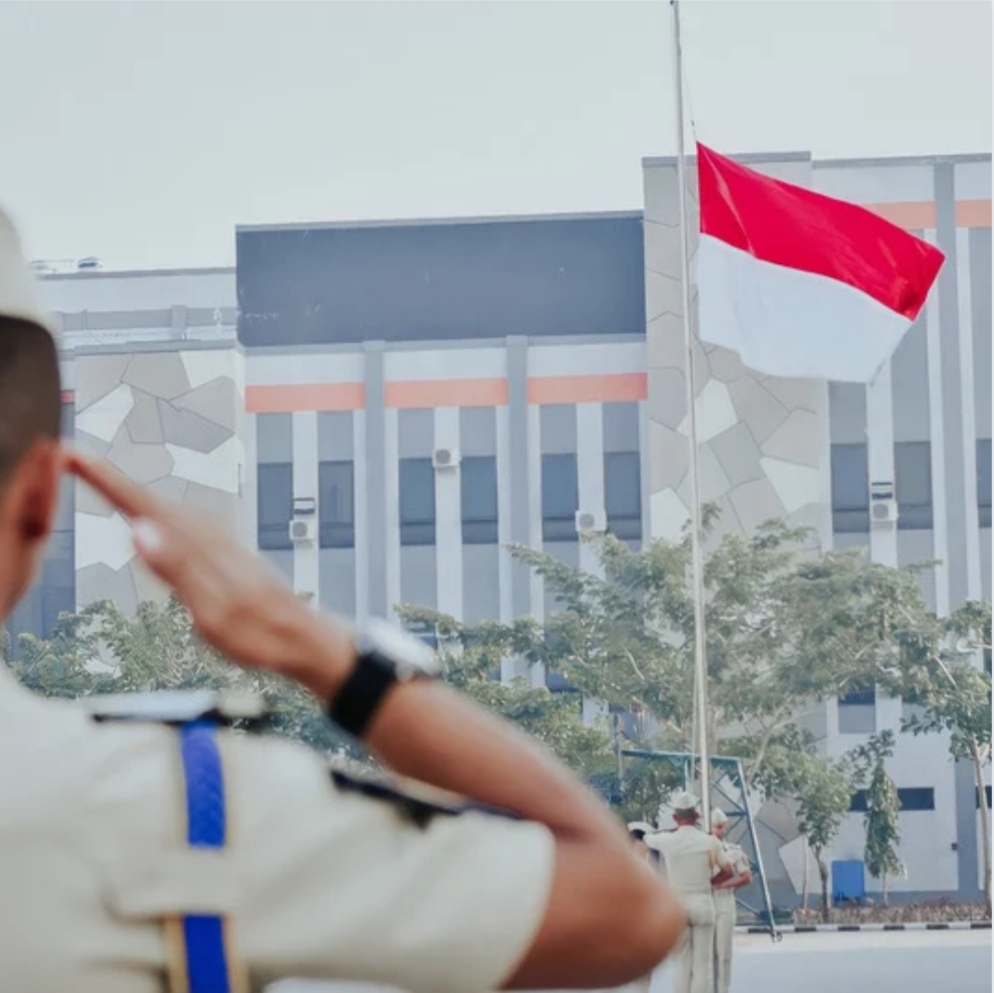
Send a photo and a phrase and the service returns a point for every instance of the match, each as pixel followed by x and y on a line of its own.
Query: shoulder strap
pixel 200 946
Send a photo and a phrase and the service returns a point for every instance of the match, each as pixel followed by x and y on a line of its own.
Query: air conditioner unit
pixel 591 522
pixel 303 530
pixel 445 458
pixel 883 513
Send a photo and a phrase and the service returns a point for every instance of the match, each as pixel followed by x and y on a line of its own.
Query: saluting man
pixel 724 901
pixel 694 860
pixel 154 850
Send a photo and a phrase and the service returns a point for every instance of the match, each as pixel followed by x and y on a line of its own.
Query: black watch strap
pixel 359 697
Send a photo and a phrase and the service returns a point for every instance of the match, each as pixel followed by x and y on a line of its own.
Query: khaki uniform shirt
pixel 318 882
pixel 692 857
pixel 725 899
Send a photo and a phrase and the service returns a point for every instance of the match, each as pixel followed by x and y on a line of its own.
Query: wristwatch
pixel 385 656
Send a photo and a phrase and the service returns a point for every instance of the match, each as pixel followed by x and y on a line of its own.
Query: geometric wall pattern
pixel 763 441
pixel 171 420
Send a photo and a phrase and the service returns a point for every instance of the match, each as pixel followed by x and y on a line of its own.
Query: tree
pixel 823 792
pixel 102 650
pixel 951 694
pixel 882 808
pixel 786 627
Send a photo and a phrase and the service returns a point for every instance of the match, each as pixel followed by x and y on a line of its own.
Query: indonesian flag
pixel 800 284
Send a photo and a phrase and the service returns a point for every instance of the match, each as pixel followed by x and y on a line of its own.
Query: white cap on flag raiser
pixel 801 284
pixel 17 281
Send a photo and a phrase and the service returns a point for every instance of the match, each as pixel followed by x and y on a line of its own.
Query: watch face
pixel 400 647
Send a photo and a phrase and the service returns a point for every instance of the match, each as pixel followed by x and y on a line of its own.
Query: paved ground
pixel 908 962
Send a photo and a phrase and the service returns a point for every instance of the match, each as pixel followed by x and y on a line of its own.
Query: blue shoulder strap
pixel 205 965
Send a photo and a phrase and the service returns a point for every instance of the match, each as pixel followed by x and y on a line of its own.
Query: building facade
pixel 383 409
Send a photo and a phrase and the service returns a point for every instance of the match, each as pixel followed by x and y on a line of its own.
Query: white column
pixel 509 668
pixel 940 536
pixel 306 574
pixel 448 518
pixel 360 478
pixel 590 474
pixel 963 289
pixel 537 673
pixel 590 493
pixel 390 449
pixel 880 455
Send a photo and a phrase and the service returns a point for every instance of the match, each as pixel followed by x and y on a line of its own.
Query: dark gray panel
pixel 519 444
pixel 415 434
pixel 980 303
pixel 621 427
pixel 336 441
pixel 418 576
pixel 274 438
pixel 952 379
pixel 481 586
pixel 909 381
pixel 337 578
pixel 376 483
pixel 478 431
pixel 442 280
pixel 966 831
pixel 847 413
pixel 558 426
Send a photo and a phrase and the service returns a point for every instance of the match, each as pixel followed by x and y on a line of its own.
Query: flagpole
pixel 697 557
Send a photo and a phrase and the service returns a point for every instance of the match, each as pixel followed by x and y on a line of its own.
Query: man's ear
pixel 33 497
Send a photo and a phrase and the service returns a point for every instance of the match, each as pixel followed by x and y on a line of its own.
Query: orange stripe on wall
pixel 414 394
pixel 909 215
pixel 68 396
pixel 304 396
pixel 918 216
pixel 615 388
pixel 973 213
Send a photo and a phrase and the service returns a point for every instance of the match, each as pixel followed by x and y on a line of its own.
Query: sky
pixel 144 132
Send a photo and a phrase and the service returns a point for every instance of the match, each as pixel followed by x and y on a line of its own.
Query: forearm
pixel 427 731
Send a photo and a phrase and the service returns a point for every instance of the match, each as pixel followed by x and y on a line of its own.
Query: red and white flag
pixel 800 284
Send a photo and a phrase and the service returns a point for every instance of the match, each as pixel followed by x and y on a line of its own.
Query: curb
pixel 835 928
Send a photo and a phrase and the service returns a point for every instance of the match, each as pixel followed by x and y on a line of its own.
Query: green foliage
pixel 882 833
pixel 786 627
pixel 101 650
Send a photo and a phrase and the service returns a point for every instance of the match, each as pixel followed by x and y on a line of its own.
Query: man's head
pixel 685 808
pixel 30 459
pixel 719 823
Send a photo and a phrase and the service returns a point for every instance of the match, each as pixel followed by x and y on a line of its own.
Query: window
pixel 850 489
pixel 987 791
pixel 275 488
pixel 417 502
pixel 559 497
pixel 479 500
pixel 858 711
pixel 336 504
pixel 623 494
pixel 914 798
pixel 913 482
pixel 917 798
pixel 858 698
pixel 984 481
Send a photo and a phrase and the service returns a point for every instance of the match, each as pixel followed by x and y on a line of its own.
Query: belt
pixel 200 946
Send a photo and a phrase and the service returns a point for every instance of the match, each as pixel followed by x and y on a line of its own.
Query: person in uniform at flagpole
pixel 695 860
pixel 724 901
pixel 144 847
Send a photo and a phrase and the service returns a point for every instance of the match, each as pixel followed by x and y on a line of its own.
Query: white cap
pixel 683 801
pixel 17 282
pixel 718 817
